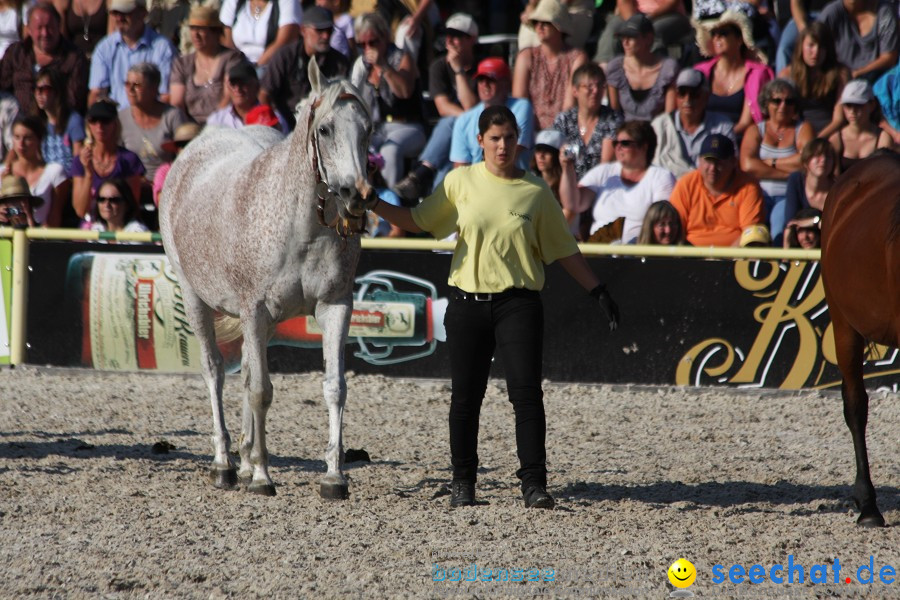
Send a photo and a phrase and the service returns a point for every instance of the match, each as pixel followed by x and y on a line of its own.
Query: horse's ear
pixel 314 77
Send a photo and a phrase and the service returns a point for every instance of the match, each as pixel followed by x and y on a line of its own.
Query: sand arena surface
pixel 642 476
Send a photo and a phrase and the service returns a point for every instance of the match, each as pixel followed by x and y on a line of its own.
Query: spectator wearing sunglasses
pixel 771 150
pixel 286 80
pixel 65 126
pixel 680 133
pixel 116 209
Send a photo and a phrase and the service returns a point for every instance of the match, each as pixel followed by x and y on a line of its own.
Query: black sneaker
pixel 462 493
pixel 415 185
pixel 536 496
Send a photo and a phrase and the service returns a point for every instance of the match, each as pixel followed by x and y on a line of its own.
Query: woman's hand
pixel 372 55
pixel 87 158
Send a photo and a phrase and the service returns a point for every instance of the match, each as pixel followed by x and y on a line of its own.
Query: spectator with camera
pixel 680 134
pixel 617 194
pixel 718 201
pixel 589 127
pixel 804 230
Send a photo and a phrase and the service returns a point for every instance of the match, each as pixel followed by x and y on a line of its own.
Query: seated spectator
pixel 388 80
pixel 589 127
pixel 819 79
pixel 543 74
pixel 581 21
pixel 343 38
pixel 670 24
pixel 102 158
pixel 735 72
pixel 763 28
pixel 147 122
pixel 662 226
pixel 809 187
pixel 65 127
pixel 861 136
pixel 547 146
pixel 803 14
pixel 804 230
pixel 286 80
pixel 624 189
pixel 197 84
pixel 451 83
pixel 865 35
pixel 718 200
pixel 45 180
pixel 181 138
pixel 116 209
pixel 44 47
pixel 84 22
pixel 641 83
pixel 243 87
pixel 493 81
pixel 132 43
pixel 771 150
pixel 16 202
pixel 681 133
pixel 258 28
pixel 413 23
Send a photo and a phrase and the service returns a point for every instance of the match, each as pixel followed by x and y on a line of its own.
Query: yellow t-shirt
pixel 506 227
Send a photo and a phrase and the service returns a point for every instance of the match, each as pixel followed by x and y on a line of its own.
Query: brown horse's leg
pixel 849 347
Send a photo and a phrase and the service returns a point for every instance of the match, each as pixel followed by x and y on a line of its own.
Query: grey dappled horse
pixel 241 217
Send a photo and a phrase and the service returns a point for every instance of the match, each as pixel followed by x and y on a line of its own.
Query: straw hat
pixel 13 187
pixel 183 133
pixel 729 17
pixel 551 11
pixel 204 16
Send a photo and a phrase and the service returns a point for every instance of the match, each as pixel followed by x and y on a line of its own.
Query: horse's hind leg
pixel 222 473
pixel 257 399
pixel 850 347
pixel 334 319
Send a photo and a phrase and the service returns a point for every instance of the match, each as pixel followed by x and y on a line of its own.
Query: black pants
pixel 514 326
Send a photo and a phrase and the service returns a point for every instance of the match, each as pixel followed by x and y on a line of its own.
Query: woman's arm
pixel 286 34
pixel 670 98
pixel 613 94
pixel 885 140
pixel 578 268
pixel 134 182
pixel 401 80
pixel 745 122
pixel 227 41
pixel 607 151
pixel 522 74
pixel 396 215
pixel 176 95
pixel 81 194
pixel 750 160
pixel 573 198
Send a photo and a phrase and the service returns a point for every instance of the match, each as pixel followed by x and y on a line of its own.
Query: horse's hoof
pixel 871 521
pixel 334 491
pixel 263 489
pixel 224 479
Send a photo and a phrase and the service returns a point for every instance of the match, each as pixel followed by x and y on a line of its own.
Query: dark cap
pixel 103 110
pixel 242 71
pixel 317 18
pixel 493 68
pixel 637 25
pixel 717 146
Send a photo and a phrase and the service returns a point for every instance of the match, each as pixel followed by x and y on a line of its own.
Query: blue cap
pixel 717 146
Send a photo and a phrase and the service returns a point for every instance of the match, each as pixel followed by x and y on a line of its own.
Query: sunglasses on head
pixel 110 199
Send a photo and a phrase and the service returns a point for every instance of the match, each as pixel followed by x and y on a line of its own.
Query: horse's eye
pixel 323 130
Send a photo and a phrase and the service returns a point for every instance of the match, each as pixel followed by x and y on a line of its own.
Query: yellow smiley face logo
pixel 682 573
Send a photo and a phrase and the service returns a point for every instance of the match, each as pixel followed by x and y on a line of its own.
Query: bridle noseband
pixel 324 192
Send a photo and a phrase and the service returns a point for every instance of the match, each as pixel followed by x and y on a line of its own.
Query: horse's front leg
pixel 334 319
pixel 257 399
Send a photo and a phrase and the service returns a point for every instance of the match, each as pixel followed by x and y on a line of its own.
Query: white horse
pixel 242 226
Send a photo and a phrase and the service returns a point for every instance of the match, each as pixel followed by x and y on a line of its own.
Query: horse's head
pixel 338 138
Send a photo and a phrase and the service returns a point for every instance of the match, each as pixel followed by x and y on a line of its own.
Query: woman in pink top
pixel 543 74
pixel 736 72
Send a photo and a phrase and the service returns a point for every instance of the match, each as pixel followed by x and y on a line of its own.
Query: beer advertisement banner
pixel 743 323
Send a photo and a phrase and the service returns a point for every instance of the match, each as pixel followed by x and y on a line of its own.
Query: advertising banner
pixel 745 323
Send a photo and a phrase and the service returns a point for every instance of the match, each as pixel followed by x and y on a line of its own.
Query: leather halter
pixel 324 192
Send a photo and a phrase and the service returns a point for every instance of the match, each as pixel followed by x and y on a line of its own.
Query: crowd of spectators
pixel 652 121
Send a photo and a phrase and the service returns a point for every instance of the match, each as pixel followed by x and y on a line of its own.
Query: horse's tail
pixel 227 328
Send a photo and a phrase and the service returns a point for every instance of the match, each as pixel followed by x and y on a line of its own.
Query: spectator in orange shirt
pixel 718 200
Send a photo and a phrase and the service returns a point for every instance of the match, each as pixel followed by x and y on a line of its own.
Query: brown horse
pixel 861 273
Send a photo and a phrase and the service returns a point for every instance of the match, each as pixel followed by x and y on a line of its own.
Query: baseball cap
pixel 493 67
pixel 690 78
pixel 637 25
pixel 755 235
pixel 242 71
pixel 102 110
pixel 549 137
pixel 318 17
pixel 461 23
pixel 126 6
pixel 717 146
pixel 857 91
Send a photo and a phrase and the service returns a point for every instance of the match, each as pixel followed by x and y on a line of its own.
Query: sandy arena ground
pixel 643 476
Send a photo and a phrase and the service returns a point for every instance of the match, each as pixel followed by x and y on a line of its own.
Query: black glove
pixel 607 304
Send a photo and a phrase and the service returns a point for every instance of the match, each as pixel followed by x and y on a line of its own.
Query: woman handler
pixel 508 221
